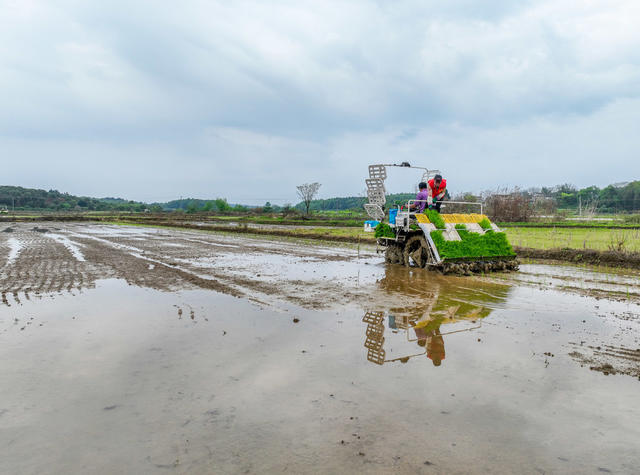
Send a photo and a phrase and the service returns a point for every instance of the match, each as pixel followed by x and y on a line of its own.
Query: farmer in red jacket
pixel 437 191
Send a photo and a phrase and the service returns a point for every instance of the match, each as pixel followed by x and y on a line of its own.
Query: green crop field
pixel 537 238
pixel 582 238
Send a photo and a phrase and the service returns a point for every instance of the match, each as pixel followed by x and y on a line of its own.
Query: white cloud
pixel 248 94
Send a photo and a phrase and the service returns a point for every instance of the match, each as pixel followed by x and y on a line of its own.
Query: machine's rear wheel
pixel 393 254
pixel 416 252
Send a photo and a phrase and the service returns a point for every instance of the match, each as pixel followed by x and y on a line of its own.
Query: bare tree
pixel 307 192
pixel 508 205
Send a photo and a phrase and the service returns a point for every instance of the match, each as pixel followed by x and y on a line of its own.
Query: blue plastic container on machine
pixel 392 215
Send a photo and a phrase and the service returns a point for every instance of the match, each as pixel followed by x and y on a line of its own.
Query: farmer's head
pixel 437 180
pixel 422 185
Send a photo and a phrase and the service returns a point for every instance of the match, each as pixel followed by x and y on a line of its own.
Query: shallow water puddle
pixel 480 377
pixel 14 250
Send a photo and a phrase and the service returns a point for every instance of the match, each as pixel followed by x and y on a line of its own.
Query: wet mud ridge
pixel 35 264
pixel 608 359
pixel 626 259
pixel 69 257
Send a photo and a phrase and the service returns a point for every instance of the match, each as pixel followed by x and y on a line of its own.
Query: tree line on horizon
pixel 612 198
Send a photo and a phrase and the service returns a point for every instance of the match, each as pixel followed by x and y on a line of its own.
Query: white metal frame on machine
pixel 376 191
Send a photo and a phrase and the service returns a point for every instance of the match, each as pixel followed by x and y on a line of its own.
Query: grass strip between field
pixel 599 239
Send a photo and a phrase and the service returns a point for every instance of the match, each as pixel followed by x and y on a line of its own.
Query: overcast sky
pixel 247 99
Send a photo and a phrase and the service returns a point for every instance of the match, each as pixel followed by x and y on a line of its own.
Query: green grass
pixel 579 238
pixel 490 244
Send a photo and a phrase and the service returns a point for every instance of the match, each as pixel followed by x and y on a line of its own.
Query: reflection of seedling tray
pixel 375 338
pixel 374 318
pixel 375 331
pixel 374 344
pixel 376 356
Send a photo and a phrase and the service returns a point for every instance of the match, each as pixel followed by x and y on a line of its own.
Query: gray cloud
pixel 228 99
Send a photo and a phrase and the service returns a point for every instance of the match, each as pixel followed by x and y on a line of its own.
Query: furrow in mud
pixel 608 359
pixel 37 264
pixel 4 250
pixel 145 272
pixel 187 244
pixel 204 259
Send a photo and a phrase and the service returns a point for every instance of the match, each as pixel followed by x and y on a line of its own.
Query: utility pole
pixel 579 205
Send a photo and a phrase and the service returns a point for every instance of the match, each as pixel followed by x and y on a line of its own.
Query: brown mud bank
pixel 246 229
pixel 629 260
pixel 57 217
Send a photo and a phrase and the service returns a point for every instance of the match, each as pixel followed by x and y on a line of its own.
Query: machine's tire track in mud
pixel 608 359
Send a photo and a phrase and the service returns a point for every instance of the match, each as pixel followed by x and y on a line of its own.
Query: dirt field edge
pixel 629 260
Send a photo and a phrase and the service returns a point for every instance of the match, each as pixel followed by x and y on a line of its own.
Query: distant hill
pixel 196 204
pixel 619 197
pixel 113 200
pixel 35 199
pixel 53 200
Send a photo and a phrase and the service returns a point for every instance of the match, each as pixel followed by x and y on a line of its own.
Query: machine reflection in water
pixel 425 333
pixel 433 308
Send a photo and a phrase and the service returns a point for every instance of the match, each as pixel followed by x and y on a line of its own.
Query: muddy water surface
pixel 144 351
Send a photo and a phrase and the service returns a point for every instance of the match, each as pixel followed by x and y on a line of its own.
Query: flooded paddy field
pixel 141 350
